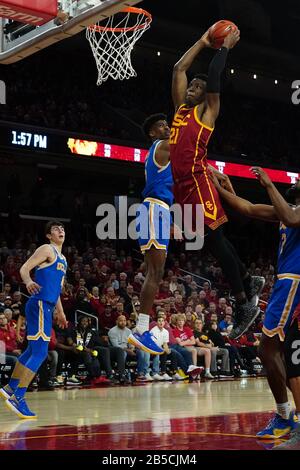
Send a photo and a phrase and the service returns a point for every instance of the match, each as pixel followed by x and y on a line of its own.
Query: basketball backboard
pixel 19 40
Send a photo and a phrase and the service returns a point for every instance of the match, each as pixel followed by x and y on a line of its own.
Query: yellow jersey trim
pixel 200 122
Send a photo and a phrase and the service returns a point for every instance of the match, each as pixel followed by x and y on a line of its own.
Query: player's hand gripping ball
pixel 219 31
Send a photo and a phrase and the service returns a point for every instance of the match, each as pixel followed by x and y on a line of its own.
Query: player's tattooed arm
pixel 285 213
pixel 41 255
pixel 179 80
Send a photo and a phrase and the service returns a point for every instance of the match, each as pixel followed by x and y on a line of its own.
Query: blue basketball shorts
pixel 283 301
pixel 153 225
pixel 39 315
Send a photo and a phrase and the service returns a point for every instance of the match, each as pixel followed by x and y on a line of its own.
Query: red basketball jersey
pixel 188 144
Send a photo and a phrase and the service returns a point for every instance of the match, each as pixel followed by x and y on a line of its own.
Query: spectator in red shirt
pixel 95 299
pixel 127 266
pixel 107 319
pixel 67 298
pixel 8 336
pixel 213 296
pixel 12 322
pixel 185 337
pixel 164 292
pixel 103 275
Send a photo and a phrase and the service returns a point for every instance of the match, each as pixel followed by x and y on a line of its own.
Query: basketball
pixel 219 31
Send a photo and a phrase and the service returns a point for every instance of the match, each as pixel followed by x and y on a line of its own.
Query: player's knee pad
pixel 292 351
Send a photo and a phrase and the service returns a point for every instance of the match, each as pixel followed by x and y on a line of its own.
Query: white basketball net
pixel 112 43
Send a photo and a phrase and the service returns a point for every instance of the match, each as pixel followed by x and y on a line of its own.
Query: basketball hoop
pixel 113 42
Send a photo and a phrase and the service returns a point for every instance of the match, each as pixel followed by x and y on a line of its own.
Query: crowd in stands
pixel 43 95
pixel 191 317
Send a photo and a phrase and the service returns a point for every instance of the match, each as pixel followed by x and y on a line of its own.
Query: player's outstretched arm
pixel 179 80
pixel 41 255
pixel 285 213
pixel 215 71
pixel 256 211
pixel 223 179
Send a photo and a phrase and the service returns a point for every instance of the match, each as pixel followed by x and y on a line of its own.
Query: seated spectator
pixel 8 336
pixel 66 355
pixel 199 312
pixel 221 308
pixel 109 357
pixel 212 308
pixel 221 341
pixel 10 320
pixel 193 299
pixel 7 302
pixel 131 322
pixel 119 309
pixel 213 296
pixel 224 324
pixel 118 337
pixel 185 337
pixel 107 319
pixel 83 341
pixel 190 317
pixel 246 352
pixel 2 299
pixel 82 303
pixel 162 339
pixel 7 289
pixel 203 299
pixel 173 284
pixel 111 297
pixel 184 357
pixel 173 320
pixel 114 282
pixel 203 341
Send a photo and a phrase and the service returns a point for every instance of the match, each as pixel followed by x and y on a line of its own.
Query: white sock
pixel 284 409
pixel 207 370
pixel 142 323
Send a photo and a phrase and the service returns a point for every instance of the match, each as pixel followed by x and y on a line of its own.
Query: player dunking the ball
pixel 197 107
pixel 50 268
pixel 156 220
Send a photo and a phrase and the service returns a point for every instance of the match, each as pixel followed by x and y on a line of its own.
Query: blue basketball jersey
pixel 159 180
pixel 289 250
pixel 51 278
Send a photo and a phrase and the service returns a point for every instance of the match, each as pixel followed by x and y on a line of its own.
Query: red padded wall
pixel 35 12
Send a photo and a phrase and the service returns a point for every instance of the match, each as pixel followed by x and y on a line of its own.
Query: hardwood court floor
pixel 207 415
